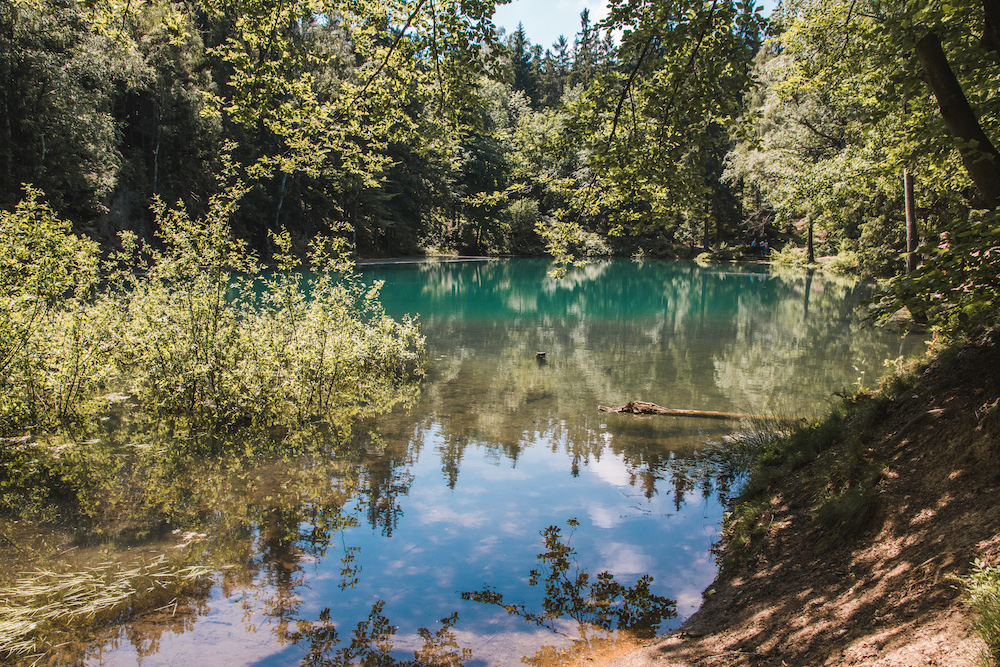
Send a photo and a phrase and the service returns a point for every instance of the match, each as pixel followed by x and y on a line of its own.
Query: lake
pixel 475 525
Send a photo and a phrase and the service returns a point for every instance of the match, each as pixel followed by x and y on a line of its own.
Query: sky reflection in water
pixel 500 446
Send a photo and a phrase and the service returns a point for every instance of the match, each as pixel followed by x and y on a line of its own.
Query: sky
pixel 545 20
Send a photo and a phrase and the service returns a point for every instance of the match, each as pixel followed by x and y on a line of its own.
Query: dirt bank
pixel 887 597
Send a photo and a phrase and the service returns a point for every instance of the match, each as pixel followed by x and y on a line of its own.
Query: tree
pixel 318 100
pixel 979 156
pixel 555 73
pixel 584 52
pixel 843 122
pixel 523 65
pixel 325 117
pixel 684 67
pixel 58 77
pixel 806 153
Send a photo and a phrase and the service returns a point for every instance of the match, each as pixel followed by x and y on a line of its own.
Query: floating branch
pixel 644 408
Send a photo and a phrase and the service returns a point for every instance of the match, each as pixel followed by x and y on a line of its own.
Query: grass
pixel 827 459
pixel 982 590
pixel 41 609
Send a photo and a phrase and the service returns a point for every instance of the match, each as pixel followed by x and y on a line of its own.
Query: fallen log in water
pixel 644 408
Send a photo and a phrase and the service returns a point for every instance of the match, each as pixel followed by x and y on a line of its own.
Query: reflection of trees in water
pixel 791 369
pixel 370 643
pixel 265 505
pixel 261 504
pixel 383 481
pixel 597 604
pixel 726 338
pixel 177 617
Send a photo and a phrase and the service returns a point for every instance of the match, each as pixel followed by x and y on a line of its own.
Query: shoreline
pixel 888 596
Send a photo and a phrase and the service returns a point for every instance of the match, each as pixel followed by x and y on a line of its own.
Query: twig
pixel 392 49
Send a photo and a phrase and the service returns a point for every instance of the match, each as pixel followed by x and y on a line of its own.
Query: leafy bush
pixel 957 287
pixel 326 339
pixel 727 252
pixel 844 263
pixel 207 330
pixel 48 349
pixel 790 255
pixel 982 589
pixel 193 325
pixel 522 218
pixel 179 343
pixel 567 241
pixel 879 247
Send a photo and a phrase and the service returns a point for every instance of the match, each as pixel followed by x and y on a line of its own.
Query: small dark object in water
pixel 540 358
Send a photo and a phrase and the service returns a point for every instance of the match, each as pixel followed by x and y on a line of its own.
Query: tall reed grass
pixel 40 610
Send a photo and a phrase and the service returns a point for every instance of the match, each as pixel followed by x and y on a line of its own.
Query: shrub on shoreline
pixel 191 326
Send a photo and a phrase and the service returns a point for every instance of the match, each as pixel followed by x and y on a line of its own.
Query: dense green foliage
pixel 306 130
pixel 283 131
pixel 48 347
pixel 958 287
pixel 843 108
pixel 399 125
pixel 413 126
pixel 193 325
pixel 982 587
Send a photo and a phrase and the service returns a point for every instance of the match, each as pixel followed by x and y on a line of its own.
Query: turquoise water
pixel 422 540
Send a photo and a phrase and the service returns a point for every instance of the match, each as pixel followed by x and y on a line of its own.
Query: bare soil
pixel 889 597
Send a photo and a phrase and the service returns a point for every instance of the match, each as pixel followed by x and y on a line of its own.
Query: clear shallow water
pixel 366 552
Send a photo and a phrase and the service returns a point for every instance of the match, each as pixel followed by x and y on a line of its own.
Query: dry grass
pixel 45 605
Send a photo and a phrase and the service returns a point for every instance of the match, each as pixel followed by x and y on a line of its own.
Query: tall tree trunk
pixel 911 221
pixel 7 56
pixel 281 201
pixel 8 149
pixel 978 154
pixel 991 32
pixel 810 248
pixel 156 150
pixel 909 206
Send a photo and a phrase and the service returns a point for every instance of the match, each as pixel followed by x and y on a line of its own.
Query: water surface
pixel 424 536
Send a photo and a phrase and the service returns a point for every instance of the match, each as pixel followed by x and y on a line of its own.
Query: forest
pixel 851 129
pixel 186 188
pixel 146 142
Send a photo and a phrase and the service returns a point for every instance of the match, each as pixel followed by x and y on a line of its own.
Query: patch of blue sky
pixel 544 21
